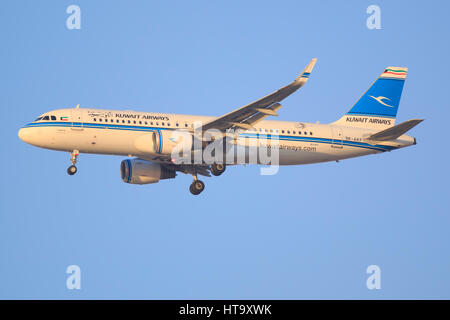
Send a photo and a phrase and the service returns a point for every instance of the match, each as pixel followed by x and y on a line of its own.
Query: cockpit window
pixel 38 119
pixel 45 118
pixel 53 117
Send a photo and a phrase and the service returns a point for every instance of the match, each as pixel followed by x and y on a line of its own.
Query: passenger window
pixel 176 124
pixel 95 119
pixel 305 132
pixel 151 123
pixel 282 131
pixel 129 121
pixel 310 133
pixel 117 121
pixel 162 123
pixel 293 132
pixel 140 122
pixel 186 125
pixel 145 122
pixel 100 120
pixel 123 121
pixel 288 132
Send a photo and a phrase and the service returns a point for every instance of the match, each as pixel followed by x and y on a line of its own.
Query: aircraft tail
pixel 377 107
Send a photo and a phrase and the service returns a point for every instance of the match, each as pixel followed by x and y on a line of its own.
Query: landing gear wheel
pixel 71 170
pixel 217 169
pixel 74 159
pixel 197 187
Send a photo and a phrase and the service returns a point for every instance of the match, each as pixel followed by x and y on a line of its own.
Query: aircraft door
pixel 77 118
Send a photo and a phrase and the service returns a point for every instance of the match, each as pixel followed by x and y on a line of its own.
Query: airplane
pixel 147 138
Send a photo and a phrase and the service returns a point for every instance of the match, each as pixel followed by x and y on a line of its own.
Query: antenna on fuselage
pixel 78 106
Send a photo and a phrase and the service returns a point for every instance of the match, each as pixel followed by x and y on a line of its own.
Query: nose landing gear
pixel 196 186
pixel 72 170
pixel 74 159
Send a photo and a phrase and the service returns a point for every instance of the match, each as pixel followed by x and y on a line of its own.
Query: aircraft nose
pixel 25 135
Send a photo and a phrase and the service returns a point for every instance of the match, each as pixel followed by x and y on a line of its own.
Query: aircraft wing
pixel 246 116
pixel 201 169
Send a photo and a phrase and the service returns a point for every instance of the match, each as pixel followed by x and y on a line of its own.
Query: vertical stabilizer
pixel 377 107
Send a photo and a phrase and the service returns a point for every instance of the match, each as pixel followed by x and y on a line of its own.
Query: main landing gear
pixel 73 158
pixel 197 186
pixel 217 169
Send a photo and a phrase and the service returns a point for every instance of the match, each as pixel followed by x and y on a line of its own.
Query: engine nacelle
pixel 168 141
pixel 165 142
pixel 137 171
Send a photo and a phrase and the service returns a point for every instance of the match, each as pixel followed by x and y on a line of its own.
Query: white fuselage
pixel 115 132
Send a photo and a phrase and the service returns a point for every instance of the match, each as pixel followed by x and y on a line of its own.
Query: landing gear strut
pixel 73 158
pixel 196 186
pixel 217 169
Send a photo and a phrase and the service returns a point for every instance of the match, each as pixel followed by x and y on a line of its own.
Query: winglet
pixel 303 77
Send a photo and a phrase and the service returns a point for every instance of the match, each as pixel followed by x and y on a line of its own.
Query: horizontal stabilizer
pixel 395 131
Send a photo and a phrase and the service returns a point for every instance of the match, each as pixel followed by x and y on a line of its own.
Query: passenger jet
pixel 148 138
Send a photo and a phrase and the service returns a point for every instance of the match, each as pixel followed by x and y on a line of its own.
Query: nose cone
pixel 26 135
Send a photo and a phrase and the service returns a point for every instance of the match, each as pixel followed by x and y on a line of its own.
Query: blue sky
pixel 308 232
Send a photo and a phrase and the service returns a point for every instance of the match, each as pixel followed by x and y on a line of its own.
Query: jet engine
pixel 138 171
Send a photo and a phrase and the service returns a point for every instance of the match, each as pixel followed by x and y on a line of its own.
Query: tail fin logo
pixel 380 100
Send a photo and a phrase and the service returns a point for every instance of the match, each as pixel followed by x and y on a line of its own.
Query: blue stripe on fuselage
pixel 245 135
